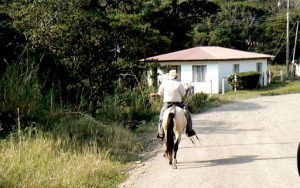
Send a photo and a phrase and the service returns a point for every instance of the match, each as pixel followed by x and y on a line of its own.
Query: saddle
pixel 180 105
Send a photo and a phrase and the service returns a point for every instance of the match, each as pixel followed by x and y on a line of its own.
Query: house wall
pixel 226 68
pixel 297 72
pixel 216 70
pixel 211 84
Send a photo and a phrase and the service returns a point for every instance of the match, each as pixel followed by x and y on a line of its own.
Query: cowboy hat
pixel 172 74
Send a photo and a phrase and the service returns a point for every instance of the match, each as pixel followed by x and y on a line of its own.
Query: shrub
pixel 77 131
pixel 245 80
pixel 196 102
pixel 19 88
pixel 127 105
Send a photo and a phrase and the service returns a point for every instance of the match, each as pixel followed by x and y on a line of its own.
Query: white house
pixel 204 67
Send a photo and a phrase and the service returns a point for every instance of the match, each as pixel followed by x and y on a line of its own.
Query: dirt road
pixel 252 143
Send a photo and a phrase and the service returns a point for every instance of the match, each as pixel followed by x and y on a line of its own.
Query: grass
pixel 39 161
pixel 64 148
pixel 277 88
pixel 70 152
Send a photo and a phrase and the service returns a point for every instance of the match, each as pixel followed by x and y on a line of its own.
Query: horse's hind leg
pixel 175 154
pixel 170 158
pixel 165 148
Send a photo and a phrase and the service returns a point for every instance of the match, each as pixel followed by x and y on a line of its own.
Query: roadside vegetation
pixel 277 87
pixel 75 109
pixel 50 145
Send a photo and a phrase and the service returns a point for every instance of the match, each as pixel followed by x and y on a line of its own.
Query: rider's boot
pixel 189 130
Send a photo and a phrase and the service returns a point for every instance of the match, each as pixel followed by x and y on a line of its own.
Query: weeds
pixel 128 105
pixel 38 160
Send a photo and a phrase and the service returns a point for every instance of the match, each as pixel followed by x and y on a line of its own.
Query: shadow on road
pixel 229 145
pixel 218 127
pixel 238 106
pixel 235 160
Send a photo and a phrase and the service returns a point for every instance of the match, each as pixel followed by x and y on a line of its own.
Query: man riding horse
pixel 172 91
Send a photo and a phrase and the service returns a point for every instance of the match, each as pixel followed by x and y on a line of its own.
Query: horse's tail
pixel 170 132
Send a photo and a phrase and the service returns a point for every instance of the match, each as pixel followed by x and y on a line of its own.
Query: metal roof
pixel 208 53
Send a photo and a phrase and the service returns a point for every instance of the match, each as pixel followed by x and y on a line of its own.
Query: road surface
pixel 252 143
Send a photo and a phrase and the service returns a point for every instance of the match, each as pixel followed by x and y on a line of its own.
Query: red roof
pixel 208 53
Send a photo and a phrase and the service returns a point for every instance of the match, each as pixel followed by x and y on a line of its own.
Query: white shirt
pixel 171 90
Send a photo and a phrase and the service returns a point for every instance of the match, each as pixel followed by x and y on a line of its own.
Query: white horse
pixel 174 122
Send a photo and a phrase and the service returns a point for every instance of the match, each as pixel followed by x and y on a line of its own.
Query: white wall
pixel 212 74
pixel 297 69
pixel 226 68
pixel 216 70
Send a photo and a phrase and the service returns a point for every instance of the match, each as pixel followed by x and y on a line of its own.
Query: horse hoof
pixel 175 164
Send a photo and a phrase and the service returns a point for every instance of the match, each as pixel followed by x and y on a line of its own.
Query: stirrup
pixel 160 136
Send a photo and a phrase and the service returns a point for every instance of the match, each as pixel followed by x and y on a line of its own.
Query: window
pixel 199 73
pixel 259 67
pixel 236 68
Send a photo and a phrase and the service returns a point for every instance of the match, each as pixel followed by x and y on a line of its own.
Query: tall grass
pixel 19 88
pixel 81 132
pixel 64 148
pixel 128 104
pixel 38 160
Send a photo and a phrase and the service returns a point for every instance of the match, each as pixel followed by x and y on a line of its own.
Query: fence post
pixel 270 77
pixel 263 79
pixel 281 76
pixel 223 86
pixel 235 81
pixel 210 88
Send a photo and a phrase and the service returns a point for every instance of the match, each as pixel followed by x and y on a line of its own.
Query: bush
pixel 196 102
pixel 245 80
pixel 77 131
pixel 19 88
pixel 127 105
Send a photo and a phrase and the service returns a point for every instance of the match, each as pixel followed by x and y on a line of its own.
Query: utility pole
pixel 295 44
pixel 293 60
pixel 287 38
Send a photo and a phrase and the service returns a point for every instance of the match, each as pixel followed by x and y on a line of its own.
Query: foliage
pixel 11 42
pixel 85 48
pixel 76 131
pixel 238 25
pixel 127 105
pixel 33 158
pixel 196 102
pixel 244 80
pixel 19 88
pixel 277 88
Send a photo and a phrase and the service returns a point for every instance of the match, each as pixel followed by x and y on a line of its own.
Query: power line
pixel 282 44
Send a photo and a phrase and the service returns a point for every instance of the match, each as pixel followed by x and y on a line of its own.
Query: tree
pixel 239 25
pixel 11 41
